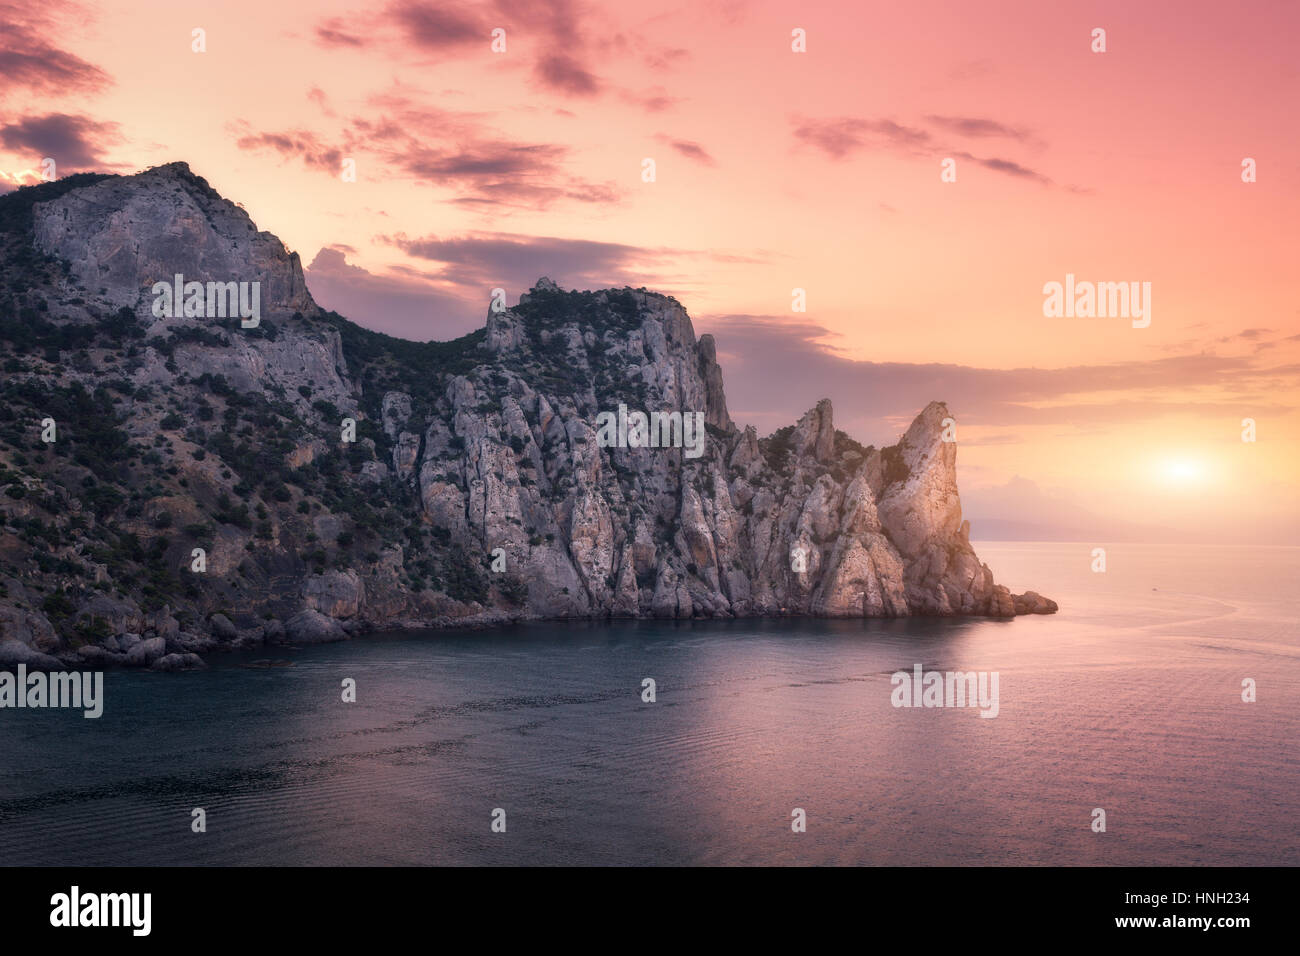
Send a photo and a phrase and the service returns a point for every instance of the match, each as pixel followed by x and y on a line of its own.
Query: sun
pixel 1183 471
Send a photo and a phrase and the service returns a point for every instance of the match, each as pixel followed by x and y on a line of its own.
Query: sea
pixel 1165 694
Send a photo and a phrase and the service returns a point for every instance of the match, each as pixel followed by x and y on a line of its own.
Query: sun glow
pixel 1183 471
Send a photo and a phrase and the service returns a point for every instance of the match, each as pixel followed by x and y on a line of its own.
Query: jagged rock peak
pixel 177 168
pixel 815 433
pixel 464 450
pixel 125 233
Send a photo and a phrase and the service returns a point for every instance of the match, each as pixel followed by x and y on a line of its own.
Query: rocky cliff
pixel 199 489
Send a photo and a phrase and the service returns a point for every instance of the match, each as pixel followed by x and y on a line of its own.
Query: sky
pixel 777 169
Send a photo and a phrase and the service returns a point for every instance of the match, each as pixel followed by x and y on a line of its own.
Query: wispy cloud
pixel 977 127
pixel 689 149
pixel 841 137
pixel 485 260
pixel 29 62
pixel 758 350
pixel 300 144
pixel 334 32
pixel 440 149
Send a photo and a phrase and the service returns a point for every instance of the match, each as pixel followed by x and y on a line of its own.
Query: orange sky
pixel 775 170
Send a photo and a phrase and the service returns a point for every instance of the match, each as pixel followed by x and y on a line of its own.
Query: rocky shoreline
pixel 306 480
pixel 175 650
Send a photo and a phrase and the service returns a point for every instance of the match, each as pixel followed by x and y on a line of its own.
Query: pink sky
pixel 775 170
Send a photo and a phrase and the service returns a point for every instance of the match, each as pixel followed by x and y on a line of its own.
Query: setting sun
pixel 1184 471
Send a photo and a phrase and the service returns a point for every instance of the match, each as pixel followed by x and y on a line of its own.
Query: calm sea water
pixel 1129 699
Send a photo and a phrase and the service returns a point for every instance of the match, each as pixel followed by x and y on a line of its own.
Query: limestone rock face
pixel 920 507
pixel 475 483
pixel 807 525
pixel 124 234
pixel 338 594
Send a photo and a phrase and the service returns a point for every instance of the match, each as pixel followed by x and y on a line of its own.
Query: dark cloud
pixel 563 37
pixel 562 21
pixel 1006 166
pixel 690 150
pixel 841 137
pixel 449 284
pixel 29 62
pixel 438 26
pixel 501 173
pixel 838 138
pixel 563 74
pixel 300 144
pixel 75 143
pixel 1009 167
pixel 447 293
pixel 556 29
pixel 757 351
pixel 976 127
pixel 456 154
pixel 481 262
pixel 490 160
pixel 409 306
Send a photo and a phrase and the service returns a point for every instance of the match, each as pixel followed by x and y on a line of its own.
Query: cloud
pixel 502 173
pixel 29 62
pixel 1006 166
pixel 841 137
pixel 440 149
pixel 977 127
pixel 447 292
pixel 666 58
pixel 487 160
pixel 317 95
pixel 300 144
pixel 838 138
pixel 440 26
pixel 331 33
pixel 655 100
pixel 556 32
pixel 408 306
pixel 624 46
pixel 482 261
pixel 758 351
pixel 563 74
pixel 690 150
pixel 73 142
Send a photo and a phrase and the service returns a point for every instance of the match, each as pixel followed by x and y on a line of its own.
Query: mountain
pixel 170 485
